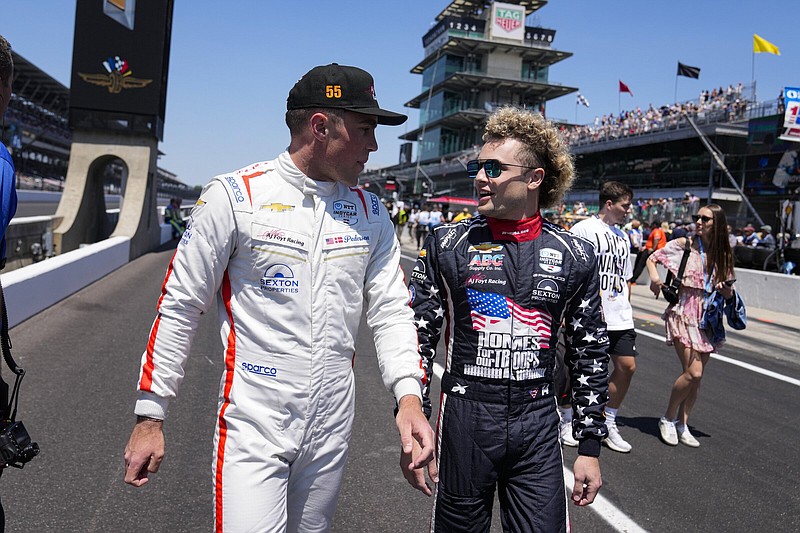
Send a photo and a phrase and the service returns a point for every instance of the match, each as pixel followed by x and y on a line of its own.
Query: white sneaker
pixel 565 434
pixel 668 432
pixel 687 438
pixel 615 440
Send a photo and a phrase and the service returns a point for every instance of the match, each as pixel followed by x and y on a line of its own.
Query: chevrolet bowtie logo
pixel 278 208
pixel 118 76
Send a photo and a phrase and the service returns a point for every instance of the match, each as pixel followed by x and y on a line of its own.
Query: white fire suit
pixel 291 260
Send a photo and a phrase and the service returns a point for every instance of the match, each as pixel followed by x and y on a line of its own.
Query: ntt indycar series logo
pixel 259 369
pixel 279 278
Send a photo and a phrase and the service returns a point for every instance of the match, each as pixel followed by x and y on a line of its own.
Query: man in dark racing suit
pixel 503 282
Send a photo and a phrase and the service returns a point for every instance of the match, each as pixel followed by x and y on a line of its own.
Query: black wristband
pixel 140 418
pixel 589 446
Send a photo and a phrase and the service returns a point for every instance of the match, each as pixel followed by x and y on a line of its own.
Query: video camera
pixel 16 447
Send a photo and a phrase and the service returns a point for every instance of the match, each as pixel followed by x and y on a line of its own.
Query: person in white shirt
pixel 436 217
pixel 413 220
pixel 423 225
pixel 612 247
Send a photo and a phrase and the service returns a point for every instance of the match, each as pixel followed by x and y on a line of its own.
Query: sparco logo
pixel 237 192
pixel 260 369
pixel 375 204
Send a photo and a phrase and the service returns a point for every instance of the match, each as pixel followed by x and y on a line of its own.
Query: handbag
pixel 671 285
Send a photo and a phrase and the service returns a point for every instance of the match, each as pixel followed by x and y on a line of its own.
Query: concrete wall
pixel 765 290
pixel 34 288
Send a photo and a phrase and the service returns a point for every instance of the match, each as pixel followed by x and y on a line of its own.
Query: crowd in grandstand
pixel 39 120
pixel 729 103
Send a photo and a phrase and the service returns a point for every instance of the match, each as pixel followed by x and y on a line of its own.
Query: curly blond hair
pixel 543 147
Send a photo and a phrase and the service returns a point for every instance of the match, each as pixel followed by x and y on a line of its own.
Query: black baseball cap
pixel 340 87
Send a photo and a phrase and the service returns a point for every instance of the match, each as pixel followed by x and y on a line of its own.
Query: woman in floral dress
pixel 709 266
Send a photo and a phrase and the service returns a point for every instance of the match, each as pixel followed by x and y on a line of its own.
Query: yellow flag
pixel 763 45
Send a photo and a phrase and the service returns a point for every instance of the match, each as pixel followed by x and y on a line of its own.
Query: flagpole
pixel 753 75
pixel 675 98
pixel 576 112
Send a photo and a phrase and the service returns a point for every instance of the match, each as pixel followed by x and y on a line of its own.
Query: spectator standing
pixel 282 245
pixel 612 248
pixel 709 268
pixel 635 236
pixel 692 205
pixel 413 220
pixel 435 217
pixel 173 217
pixel 402 219
pixel 423 225
pixel 655 241
pixel 732 237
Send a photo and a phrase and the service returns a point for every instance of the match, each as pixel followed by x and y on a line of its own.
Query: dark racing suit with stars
pixel 499 289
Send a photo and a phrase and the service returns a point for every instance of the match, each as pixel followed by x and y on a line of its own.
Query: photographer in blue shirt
pixel 8 193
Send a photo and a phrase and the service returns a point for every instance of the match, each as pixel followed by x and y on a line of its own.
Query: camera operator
pixel 8 193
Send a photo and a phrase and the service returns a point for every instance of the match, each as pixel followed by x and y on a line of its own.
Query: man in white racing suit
pixel 292 250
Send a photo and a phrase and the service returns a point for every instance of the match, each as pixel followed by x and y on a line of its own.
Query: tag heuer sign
pixel 509 19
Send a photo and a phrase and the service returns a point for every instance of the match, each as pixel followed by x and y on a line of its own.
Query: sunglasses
pixel 490 166
pixel 704 218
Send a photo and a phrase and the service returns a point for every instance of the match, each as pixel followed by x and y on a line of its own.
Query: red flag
pixel 624 88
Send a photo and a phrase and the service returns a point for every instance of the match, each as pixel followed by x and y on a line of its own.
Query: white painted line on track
pixel 607 511
pixel 746 366
pixel 615 518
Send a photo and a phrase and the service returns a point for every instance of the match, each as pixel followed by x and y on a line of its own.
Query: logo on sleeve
pixel 237 191
pixel 419 274
pixel 448 238
pixel 579 249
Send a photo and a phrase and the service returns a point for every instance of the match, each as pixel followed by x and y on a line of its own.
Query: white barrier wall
pixel 765 290
pixel 36 287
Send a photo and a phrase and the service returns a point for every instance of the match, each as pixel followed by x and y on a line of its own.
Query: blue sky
pixel 233 63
